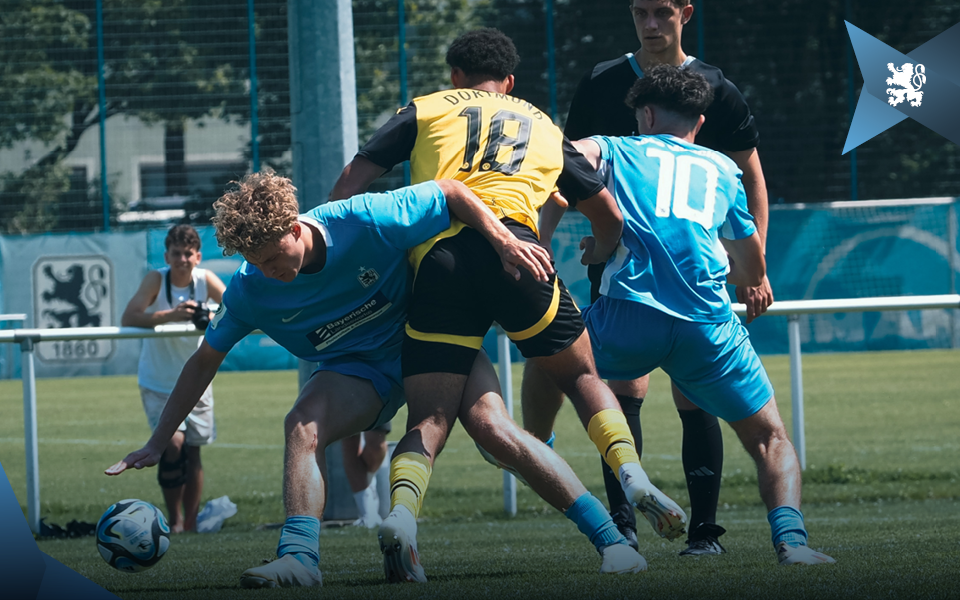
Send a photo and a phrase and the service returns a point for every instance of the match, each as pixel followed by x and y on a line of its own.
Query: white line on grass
pixel 52 441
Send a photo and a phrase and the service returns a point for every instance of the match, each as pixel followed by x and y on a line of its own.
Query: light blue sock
pixel 786 525
pixel 300 537
pixel 594 521
pixel 553 437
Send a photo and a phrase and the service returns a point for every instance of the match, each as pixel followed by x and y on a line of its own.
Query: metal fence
pixel 113 111
pixel 28 339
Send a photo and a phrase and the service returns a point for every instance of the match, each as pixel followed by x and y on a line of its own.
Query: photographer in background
pixel 176 293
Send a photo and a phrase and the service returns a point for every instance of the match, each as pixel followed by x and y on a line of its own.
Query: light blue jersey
pixel 675 196
pixel 356 305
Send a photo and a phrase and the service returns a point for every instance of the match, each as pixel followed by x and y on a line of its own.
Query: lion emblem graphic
pixel 910 79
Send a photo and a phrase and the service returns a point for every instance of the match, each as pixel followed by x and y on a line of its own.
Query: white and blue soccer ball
pixel 132 535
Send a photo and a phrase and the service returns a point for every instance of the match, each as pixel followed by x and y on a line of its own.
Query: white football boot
pixel 398 543
pixel 621 558
pixel 665 516
pixel 801 555
pixel 286 571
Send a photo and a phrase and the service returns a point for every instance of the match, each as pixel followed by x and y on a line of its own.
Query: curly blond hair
pixel 259 210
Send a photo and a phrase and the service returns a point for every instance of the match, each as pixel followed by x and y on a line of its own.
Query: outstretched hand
pixel 532 257
pixel 138 459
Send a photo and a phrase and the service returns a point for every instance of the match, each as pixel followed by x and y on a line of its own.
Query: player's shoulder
pixel 371 209
pixel 722 86
pixel 611 69
pixel 724 162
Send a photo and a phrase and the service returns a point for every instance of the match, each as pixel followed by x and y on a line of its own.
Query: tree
pixel 163 64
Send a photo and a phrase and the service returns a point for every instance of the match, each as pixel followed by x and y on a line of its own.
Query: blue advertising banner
pixel 814 251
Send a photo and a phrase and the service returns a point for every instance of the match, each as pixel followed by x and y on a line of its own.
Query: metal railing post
pixel 796 389
pixel 30 433
pixel 506 387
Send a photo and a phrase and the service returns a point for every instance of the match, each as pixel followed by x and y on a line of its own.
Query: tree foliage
pixel 38 87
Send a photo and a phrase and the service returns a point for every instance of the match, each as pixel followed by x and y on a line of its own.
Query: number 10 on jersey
pixel 673 186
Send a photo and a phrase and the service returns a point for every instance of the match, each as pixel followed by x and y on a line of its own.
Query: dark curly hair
pixel 485 51
pixel 184 236
pixel 677 90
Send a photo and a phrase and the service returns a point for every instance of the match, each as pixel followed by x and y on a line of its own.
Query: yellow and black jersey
pixel 503 148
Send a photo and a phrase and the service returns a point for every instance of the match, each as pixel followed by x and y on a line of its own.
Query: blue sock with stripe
pixel 786 525
pixel 594 521
pixel 300 537
pixel 553 438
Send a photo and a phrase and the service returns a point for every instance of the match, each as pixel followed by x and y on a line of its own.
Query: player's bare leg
pixel 540 401
pixel 485 419
pixel 172 477
pixel 573 372
pixel 433 401
pixel 330 407
pixel 362 456
pixel 778 474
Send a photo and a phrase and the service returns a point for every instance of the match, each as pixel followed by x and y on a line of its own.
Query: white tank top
pixel 162 359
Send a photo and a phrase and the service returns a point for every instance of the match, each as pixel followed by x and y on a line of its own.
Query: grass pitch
pixel 880 490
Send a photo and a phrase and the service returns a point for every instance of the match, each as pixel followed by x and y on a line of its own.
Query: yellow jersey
pixel 503 148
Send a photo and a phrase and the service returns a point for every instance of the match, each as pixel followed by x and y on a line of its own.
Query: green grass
pixel 882 430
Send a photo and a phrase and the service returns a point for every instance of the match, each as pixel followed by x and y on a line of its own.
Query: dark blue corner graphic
pixel 923 85
pixel 26 572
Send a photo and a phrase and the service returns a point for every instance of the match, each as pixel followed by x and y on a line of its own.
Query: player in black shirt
pixel 598 108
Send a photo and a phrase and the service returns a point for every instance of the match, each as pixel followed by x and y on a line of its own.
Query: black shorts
pixel 460 289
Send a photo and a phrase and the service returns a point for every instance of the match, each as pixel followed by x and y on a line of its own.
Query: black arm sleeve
pixel 393 143
pixel 740 129
pixel 578 180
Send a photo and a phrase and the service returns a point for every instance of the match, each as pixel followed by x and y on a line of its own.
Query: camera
pixel 201 316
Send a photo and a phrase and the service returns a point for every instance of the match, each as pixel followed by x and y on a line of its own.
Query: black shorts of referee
pixel 460 289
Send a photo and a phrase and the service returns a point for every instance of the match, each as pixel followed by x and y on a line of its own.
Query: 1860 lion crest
pixel 910 79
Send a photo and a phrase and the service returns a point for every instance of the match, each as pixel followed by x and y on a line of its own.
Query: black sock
pixel 620 508
pixel 631 410
pixel 702 463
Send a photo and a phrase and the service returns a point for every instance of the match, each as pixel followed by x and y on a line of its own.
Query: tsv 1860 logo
pixel 73 291
pixel 924 87
pixel 910 79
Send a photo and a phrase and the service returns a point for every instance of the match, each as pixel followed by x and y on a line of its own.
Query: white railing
pixel 28 338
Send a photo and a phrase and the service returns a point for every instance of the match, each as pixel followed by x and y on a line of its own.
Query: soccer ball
pixel 132 535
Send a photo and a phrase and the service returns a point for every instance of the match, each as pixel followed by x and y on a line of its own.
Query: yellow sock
pixel 409 476
pixel 609 431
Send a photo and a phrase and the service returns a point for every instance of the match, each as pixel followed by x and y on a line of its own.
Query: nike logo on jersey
pixel 288 319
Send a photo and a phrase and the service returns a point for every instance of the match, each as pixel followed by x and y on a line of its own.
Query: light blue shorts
pixel 383 374
pixel 713 364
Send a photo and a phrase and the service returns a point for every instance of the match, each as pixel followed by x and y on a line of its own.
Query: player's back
pixel 674 196
pixel 505 149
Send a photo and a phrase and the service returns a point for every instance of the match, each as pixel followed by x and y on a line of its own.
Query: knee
pixel 374 451
pixel 175 447
pixel 300 432
pixel 768 440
